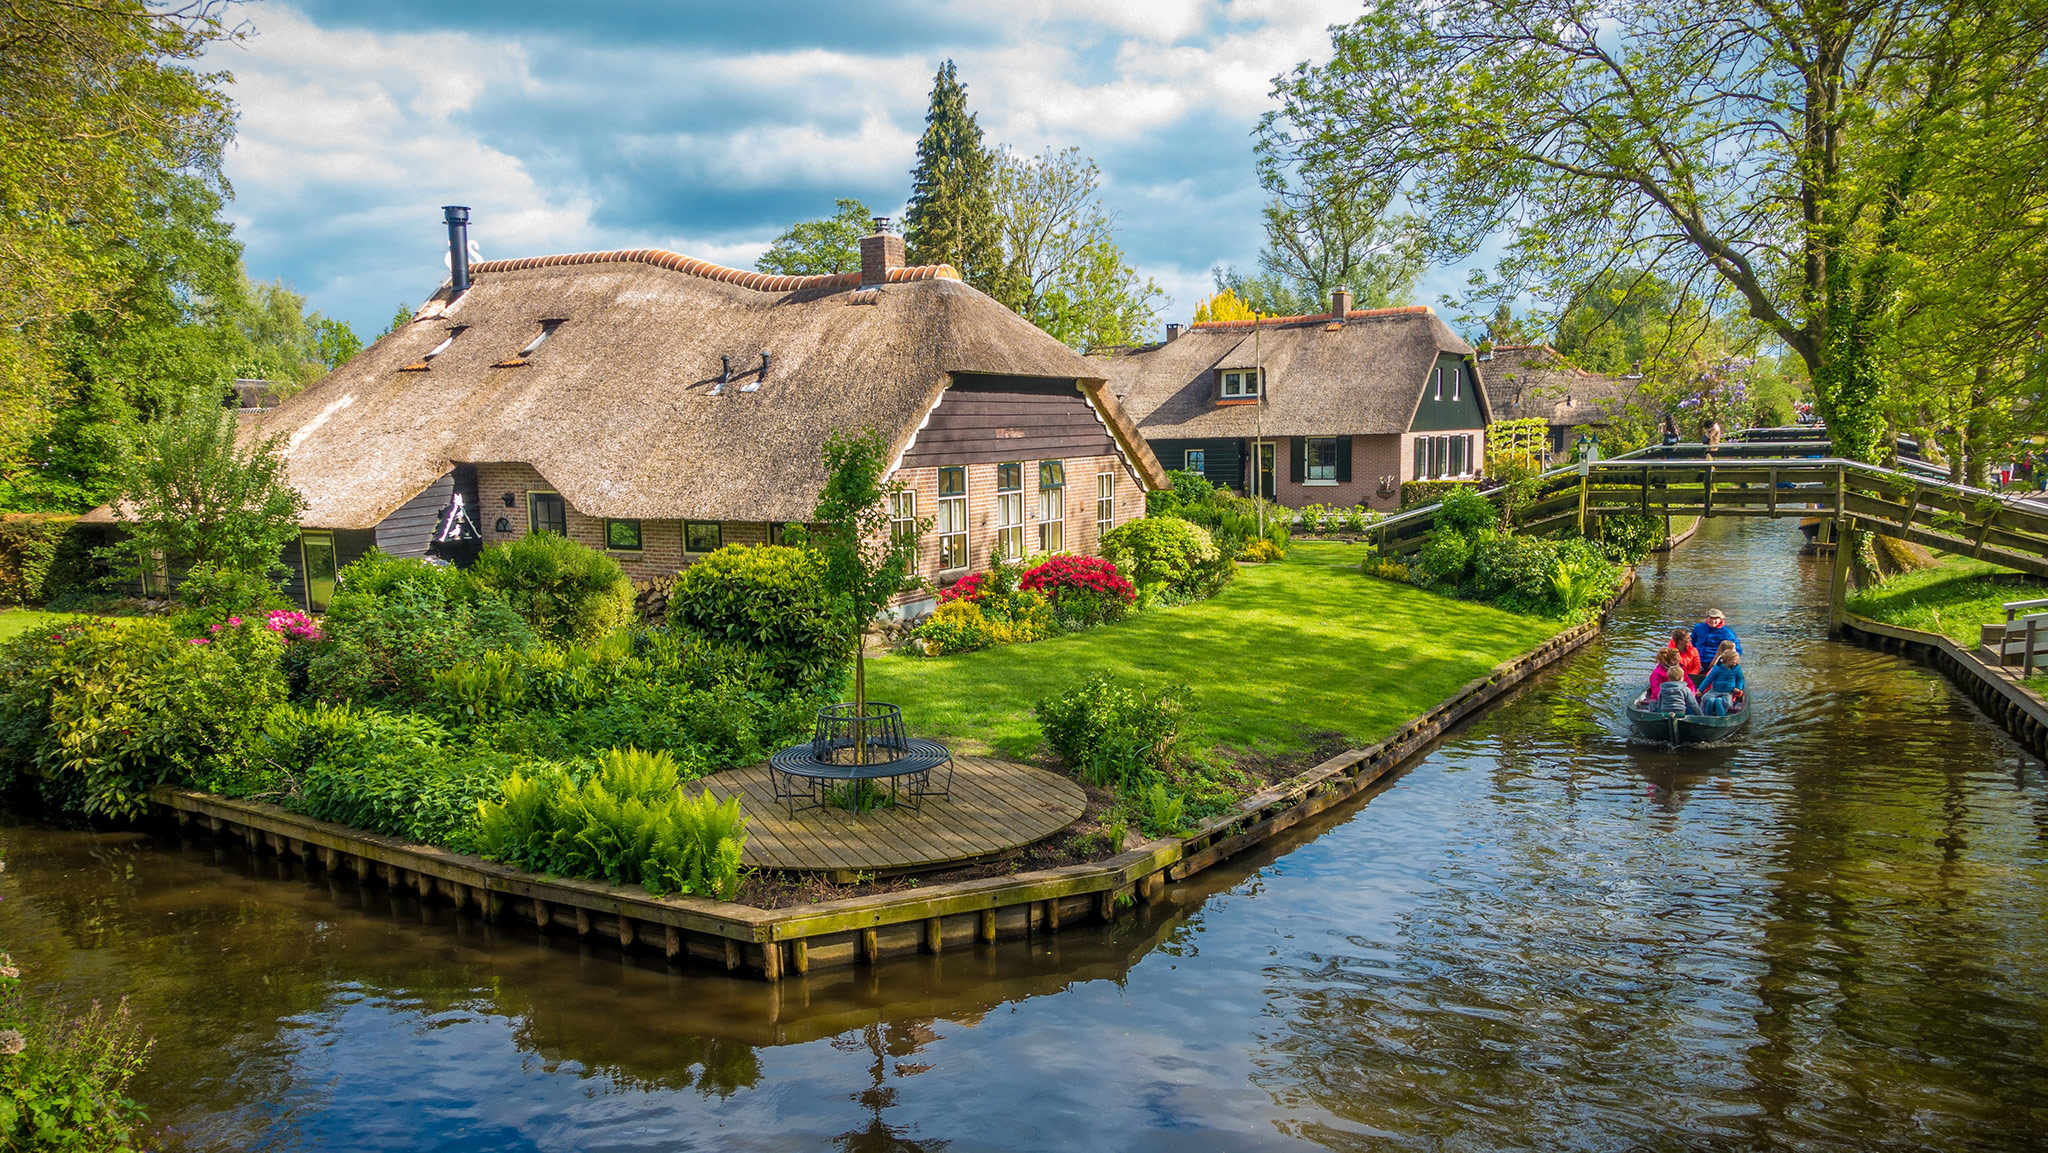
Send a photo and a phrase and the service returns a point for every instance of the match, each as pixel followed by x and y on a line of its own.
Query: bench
pixel 2023 639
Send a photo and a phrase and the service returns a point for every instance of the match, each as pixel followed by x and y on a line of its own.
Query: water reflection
pixel 1826 935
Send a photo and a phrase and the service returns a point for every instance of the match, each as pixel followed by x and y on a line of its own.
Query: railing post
pixel 1585 468
pixel 1838 584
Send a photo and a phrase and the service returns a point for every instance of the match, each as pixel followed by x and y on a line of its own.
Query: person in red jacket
pixel 1688 656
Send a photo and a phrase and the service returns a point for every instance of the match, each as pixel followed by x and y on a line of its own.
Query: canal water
pixel 1830 935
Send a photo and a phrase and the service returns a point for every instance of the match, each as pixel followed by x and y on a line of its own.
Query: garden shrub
pixel 43 556
pixel 1514 572
pixel 1159 553
pixel 1084 590
pixel 1113 733
pixel 64 1078
pixel 396 622
pixel 122 708
pixel 211 595
pixel 1466 511
pixel 1261 551
pixel 626 821
pixel 1441 563
pixel 567 592
pixel 1628 537
pixel 768 599
pixel 1420 492
pixel 1188 488
pixel 965 626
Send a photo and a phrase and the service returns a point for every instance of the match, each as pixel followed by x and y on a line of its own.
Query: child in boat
pixel 1721 689
pixel 1688 656
pixel 1670 689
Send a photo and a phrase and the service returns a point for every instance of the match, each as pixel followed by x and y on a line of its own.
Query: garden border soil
pixel 2017 709
pixel 777 943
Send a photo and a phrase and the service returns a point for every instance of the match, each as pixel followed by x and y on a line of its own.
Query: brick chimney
pixel 879 253
pixel 1172 333
pixel 1340 302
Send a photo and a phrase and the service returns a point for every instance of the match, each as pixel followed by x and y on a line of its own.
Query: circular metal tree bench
pixel 808 776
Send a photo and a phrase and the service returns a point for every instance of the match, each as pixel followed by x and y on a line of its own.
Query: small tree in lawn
pixel 866 564
pixel 191 496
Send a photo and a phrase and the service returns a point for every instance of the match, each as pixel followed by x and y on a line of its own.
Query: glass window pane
pixel 317 553
pixel 623 535
pixel 702 536
pixel 952 481
pixel 549 513
pixel 1196 459
pixel 1010 477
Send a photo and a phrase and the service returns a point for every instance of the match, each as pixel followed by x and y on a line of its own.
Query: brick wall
pixel 1372 457
pixel 1081 531
pixel 661 541
pixel 1408 440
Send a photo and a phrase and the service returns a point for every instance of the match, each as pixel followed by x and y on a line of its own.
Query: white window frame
pixel 1457 380
pixel 1308 465
pixel 1241 384
pixel 1105 503
pixel 903 513
pixel 1010 513
pixel 1195 460
pixel 1052 509
pixel 952 521
pixel 1439 382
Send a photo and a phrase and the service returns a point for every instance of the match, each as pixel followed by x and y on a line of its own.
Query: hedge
pixel 42 557
pixel 1414 492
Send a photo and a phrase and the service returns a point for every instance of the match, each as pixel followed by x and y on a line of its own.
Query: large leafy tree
pixel 1764 154
pixel 817 247
pixel 101 116
pixel 1062 268
pixel 952 213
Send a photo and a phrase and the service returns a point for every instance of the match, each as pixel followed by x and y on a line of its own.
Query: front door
pixel 1264 452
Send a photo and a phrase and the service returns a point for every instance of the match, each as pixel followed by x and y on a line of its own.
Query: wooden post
pixel 582 922
pixel 870 946
pixel 988 925
pixel 540 913
pixel 1584 467
pixel 672 944
pixel 732 955
pixel 1105 904
pixel 771 960
pixel 1838 585
pixel 933 940
pixel 492 903
pixel 1771 499
pixel 800 955
pixel 625 931
pixel 1052 915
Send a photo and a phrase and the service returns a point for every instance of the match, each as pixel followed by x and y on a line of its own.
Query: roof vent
pixel 755 384
pixel 457 218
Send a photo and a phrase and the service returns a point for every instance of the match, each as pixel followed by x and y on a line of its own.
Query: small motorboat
pixel 1683 728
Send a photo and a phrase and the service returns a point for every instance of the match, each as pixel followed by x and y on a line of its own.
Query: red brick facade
pixel 661 552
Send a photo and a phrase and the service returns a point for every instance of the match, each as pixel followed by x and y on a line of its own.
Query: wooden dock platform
pixel 995 806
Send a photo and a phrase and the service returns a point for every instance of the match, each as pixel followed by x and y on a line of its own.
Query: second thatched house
pixel 1337 408
pixel 657 407
pixel 1535 381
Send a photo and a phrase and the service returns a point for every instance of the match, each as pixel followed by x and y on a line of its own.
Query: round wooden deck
pixel 996 805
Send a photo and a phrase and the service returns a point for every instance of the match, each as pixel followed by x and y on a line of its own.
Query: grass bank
pixel 1952 598
pixel 14 622
pixel 1289 654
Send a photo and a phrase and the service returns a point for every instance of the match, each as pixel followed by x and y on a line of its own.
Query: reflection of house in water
pixel 1535 381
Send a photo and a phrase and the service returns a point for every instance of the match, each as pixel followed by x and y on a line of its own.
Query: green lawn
pixel 1288 651
pixel 14 622
pixel 1952 598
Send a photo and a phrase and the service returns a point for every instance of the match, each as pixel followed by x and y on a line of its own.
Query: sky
pixel 707 129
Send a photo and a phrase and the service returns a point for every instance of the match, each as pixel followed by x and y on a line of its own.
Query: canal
pixel 1831 935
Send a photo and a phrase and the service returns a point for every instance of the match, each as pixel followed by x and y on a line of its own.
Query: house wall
pixel 984 419
pixel 1408 440
pixel 1372 457
pixel 1459 408
pixel 410 528
pixel 661 541
pixel 1223 458
pixel 1082 535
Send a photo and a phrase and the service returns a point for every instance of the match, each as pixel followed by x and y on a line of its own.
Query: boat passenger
pixel 1710 632
pixel 1722 688
pixel 1670 689
pixel 1688 656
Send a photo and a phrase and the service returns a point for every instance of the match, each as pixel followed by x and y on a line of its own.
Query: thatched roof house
pixel 1535 381
pixel 1340 407
pixel 658 406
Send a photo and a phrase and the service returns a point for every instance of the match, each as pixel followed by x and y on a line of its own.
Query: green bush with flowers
pixel 64 1076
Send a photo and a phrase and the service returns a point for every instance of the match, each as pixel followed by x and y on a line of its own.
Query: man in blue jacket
pixel 1709 633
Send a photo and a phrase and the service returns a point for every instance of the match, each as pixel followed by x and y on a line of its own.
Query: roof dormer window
pixel 445 342
pixel 1240 384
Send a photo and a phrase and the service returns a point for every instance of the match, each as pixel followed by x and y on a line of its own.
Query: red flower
pixel 1087 573
pixel 967 588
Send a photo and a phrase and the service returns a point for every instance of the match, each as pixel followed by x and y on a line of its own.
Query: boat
pixel 1681 728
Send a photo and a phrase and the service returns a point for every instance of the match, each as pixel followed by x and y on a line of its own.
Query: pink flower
pixel 198 641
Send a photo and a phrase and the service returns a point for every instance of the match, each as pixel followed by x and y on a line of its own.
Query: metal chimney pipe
pixel 457 216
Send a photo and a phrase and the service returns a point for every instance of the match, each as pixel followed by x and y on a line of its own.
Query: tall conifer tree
pixel 952 214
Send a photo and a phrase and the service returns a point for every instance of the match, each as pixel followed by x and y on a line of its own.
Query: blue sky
pixel 707 129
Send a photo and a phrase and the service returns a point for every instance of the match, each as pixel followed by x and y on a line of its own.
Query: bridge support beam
pixel 1838 584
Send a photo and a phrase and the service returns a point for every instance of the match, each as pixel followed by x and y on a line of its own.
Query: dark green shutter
pixel 1343 460
pixel 1296 459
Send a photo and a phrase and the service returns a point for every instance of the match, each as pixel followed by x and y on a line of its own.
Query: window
pixel 952 518
pixel 1242 385
pixel 1105 503
pixel 445 342
pixel 1197 460
pixel 1321 454
pixel 1454 453
pixel 547 512
pixel 903 514
pixel 1458 378
pixel 1052 506
pixel 1421 457
pixel 1439 382
pixel 622 535
pixel 316 562
pixel 778 534
pixel 1010 510
pixel 702 535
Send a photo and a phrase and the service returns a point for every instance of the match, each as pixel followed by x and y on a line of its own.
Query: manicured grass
pixel 1952 598
pixel 14 622
pixel 1287 652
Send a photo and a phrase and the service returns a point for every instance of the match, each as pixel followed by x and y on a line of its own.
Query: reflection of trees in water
pixel 884 1043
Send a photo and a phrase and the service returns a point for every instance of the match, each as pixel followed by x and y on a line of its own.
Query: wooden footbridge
pixel 1768 479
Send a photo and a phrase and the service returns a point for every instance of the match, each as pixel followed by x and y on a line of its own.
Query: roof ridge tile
pixel 691 266
pixel 1354 314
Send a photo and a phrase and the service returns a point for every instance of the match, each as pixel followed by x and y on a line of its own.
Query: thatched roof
pixel 621 407
pixel 1535 380
pixel 1361 377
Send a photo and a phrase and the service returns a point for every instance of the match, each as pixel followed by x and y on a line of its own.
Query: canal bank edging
pixel 2018 709
pixel 778 943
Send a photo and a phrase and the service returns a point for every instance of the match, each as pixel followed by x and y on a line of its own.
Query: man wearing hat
pixel 1709 633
